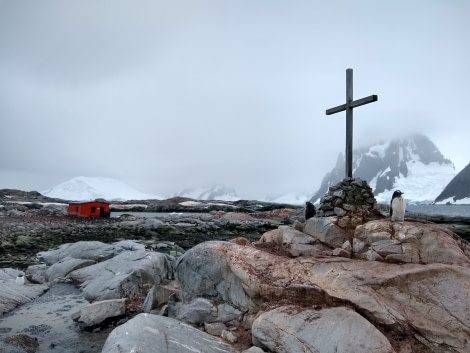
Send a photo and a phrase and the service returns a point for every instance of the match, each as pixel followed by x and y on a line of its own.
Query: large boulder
pixel 410 241
pixel 124 275
pixel 292 329
pixel 391 296
pixel 147 333
pixel 206 272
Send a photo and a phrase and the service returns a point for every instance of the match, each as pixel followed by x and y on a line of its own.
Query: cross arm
pixel 353 104
pixel 362 101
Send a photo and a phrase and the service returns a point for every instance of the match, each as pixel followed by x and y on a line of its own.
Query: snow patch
pixel 423 183
pixel 450 200
pixel 190 203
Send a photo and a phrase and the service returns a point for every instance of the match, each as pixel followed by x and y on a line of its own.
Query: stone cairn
pixel 351 200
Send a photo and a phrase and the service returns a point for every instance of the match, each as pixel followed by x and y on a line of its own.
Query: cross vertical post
pixel 348 107
pixel 349 122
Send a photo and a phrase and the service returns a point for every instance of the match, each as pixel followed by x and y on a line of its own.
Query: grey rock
pixel 341 252
pixel 90 250
pixel 157 296
pixel 124 275
pixel 147 333
pixel 202 272
pixel 371 255
pixel 64 266
pixel 387 247
pixel 215 328
pixel 226 313
pixel 285 235
pixel 229 336
pixel 399 258
pixel 417 242
pixel 97 312
pixel 339 211
pixel 253 349
pixel 290 330
pixel 197 311
pixel 36 273
pixel 347 246
pixel 325 230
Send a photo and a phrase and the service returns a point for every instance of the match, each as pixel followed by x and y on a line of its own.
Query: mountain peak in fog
pixel 413 164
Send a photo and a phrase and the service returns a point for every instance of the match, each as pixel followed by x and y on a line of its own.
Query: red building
pixel 89 209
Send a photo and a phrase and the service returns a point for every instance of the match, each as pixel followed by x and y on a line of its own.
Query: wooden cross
pixel 350 104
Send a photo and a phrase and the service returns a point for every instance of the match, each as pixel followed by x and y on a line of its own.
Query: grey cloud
pixel 168 95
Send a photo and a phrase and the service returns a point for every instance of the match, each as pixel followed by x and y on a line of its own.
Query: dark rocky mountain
pixel 458 188
pixel 393 163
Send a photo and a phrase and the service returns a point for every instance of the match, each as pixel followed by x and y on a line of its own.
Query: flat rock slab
pixel 95 313
pixel 147 333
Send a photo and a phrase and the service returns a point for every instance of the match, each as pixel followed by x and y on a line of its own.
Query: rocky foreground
pixel 316 285
pixel 312 287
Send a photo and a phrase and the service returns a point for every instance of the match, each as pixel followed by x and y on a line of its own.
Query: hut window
pixel 93 209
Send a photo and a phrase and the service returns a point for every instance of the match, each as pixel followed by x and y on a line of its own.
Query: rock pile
pixel 351 195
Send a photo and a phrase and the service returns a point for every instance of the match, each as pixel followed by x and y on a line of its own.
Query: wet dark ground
pixel 48 318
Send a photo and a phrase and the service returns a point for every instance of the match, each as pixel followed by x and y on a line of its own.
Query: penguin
pixel 310 210
pixel 397 207
pixel 20 278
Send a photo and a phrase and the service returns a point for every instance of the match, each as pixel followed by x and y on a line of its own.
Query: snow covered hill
pixel 412 164
pixel 91 188
pixel 212 192
pixel 292 198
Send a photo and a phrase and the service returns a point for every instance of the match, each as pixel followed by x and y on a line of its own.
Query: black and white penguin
pixel 20 278
pixel 397 207
pixel 310 210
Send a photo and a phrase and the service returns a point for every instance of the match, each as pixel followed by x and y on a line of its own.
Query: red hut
pixel 89 209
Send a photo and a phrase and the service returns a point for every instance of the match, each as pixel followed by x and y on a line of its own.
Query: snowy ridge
pixel 91 188
pixel 213 192
pixel 292 198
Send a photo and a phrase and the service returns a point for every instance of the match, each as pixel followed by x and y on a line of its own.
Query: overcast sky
pixel 166 95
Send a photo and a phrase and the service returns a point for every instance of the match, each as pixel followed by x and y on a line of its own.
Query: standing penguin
pixel 397 207
pixel 310 210
pixel 20 278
